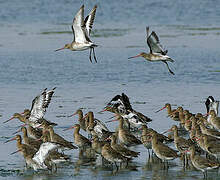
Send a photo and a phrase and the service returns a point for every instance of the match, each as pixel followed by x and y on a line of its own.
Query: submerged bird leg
pixel 168 68
pixel 94 54
pixel 90 55
pixel 148 153
pixel 55 168
pixel 116 166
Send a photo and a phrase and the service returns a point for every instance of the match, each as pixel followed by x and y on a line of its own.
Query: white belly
pixel 81 46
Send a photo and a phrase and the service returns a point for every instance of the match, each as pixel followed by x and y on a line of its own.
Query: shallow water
pixel 32 30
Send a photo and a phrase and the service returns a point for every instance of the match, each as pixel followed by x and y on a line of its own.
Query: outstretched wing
pixel 154 44
pixel 39 105
pixel 44 151
pixel 100 126
pixel 78 26
pixel 126 102
pixel 117 102
pixel 89 20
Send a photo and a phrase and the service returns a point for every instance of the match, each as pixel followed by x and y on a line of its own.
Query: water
pixel 32 30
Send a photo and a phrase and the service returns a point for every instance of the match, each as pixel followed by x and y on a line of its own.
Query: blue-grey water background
pixel 30 31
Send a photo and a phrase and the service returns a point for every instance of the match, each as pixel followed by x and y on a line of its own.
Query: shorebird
pixel 37 122
pixel 214 120
pixel 180 143
pixel 28 140
pixel 34 132
pixel 81 30
pixel 121 105
pixel 116 105
pixel 207 131
pixel 34 117
pixel 212 147
pixel 113 156
pixel 201 163
pixel 20 145
pixel 145 138
pixel 80 140
pixel 125 137
pixel 162 151
pixel 121 149
pixel 38 161
pixel 97 145
pixel 40 104
pixel 19 116
pixel 97 127
pixel 82 121
pixel 157 53
pixel 58 139
pixel 211 104
pixel 173 113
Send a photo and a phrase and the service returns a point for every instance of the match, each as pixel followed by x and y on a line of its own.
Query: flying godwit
pixel 81 30
pixel 157 53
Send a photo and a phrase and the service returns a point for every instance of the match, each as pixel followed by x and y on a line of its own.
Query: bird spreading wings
pixel 82 28
pixel 40 104
pixel 154 43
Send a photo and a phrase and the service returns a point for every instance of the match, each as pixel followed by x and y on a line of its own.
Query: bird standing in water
pixel 157 53
pixel 81 30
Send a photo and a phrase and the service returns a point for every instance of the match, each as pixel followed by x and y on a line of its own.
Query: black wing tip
pixel 147 28
pixel 95 6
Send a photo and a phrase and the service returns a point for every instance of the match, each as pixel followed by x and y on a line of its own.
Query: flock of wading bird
pixel 81 29
pixel 42 148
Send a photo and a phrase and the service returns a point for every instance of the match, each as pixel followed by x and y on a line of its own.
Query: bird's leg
pixel 148 153
pixel 94 54
pixel 184 161
pixel 116 166
pixel 120 164
pixel 204 175
pixel 90 55
pixel 168 68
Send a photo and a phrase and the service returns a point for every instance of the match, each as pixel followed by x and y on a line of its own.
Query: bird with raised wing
pixel 81 30
pixel 157 52
pixel 40 104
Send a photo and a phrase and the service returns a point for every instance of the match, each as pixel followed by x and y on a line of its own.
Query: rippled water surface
pixel 31 31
